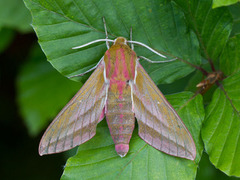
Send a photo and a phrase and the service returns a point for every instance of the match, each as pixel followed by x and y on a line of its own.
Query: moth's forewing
pixel 77 121
pixel 159 124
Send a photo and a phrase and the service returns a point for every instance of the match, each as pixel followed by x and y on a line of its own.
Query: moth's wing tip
pixel 194 151
pixel 194 156
pixel 40 151
pixel 191 156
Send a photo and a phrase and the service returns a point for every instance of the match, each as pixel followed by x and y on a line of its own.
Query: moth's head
pixel 120 40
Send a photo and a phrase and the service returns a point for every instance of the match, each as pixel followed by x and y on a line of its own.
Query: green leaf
pixel 61 25
pixel 232 86
pixel 229 61
pixel 235 11
pixel 219 3
pixel 212 26
pixel 13 14
pixel 97 159
pixel 42 92
pixel 175 87
pixel 221 128
pixel 208 171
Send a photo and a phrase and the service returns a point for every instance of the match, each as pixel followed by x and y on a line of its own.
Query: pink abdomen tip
pixel 122 149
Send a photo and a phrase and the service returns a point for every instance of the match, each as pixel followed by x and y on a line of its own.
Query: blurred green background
pixel 26 76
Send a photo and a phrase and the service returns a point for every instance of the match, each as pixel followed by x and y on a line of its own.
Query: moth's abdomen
pixel 120 119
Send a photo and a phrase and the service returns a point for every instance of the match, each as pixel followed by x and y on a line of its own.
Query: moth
pixel 120 89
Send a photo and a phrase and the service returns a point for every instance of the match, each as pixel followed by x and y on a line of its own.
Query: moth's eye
pixel 127 82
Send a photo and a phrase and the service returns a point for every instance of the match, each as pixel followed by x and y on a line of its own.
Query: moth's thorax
pixel 120 61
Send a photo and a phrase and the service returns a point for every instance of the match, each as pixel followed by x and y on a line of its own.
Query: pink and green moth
pixel 121 90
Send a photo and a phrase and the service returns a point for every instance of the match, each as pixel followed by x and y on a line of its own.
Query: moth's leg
pixel 105 27
pixel 146 59
pixel 132 46
pixel 87 70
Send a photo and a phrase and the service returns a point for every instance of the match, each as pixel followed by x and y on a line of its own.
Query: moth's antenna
pixel 92 42
pixel 142 57
pixel 105 27
pixel 87 70
pixel 144 45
